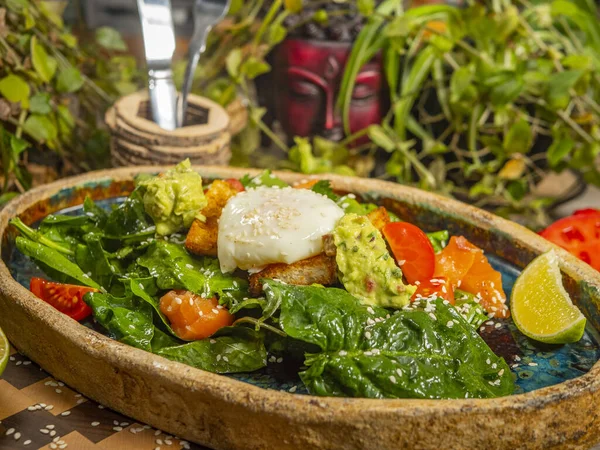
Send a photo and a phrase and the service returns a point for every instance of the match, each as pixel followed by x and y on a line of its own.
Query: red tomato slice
pixel 412 250
pixel 438 286
pixel 236 184
pixel 579 234
pixel 67 298
pixel 587 212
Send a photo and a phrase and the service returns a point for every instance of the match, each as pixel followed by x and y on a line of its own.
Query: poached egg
pixel 268 225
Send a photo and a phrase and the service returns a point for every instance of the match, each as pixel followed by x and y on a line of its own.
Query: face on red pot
pixel 308 76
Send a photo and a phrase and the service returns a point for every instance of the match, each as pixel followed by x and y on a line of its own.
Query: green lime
pixel 541 307
pixel 4 351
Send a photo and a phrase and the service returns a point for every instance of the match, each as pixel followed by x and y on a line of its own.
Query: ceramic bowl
pixel 556 404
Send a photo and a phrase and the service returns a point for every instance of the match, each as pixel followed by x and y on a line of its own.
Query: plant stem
pixel 261 324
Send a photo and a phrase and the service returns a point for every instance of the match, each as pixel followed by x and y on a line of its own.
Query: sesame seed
pixel 370 310
pixel 432 316
pixel 401 262
pixel 368 334
pixel 178 300
pixel 343 353
pixel 216 311
pixel 279 360
pixel 118 428
pixel 157 433
pixel 100 406
pixel 393 379
pixel 27 442
pixel 489 322
pixel 58 391
pixel 53 433
pixel 159 441
pixel 31 408
pixel 498 325
pixel 66 413
pixel 124 424
pixel 212 341
pixel 417 283
pixel 191 302
pixel 450 324
pixel 494 365
pixel 62 446
pixel 53 445
pixel 44 431
pixel 481 328
pixel 49 407
pixel 95 424
pixel 501 372
pixel 532 364
pixel 517 358
pixel 399 372
pixel 225 359
pixel 10 431
pixel 219 357
pixel 293 389
pixel 488 362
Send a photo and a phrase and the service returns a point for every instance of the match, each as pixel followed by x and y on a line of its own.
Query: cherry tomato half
pixel 579 234
pixel 236 184
pixel 67 298
pixel 412 250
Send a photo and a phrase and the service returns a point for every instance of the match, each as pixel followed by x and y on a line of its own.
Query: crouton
pixel 320 269
pixel 379 217
pixel 329 247
pixel 217 196
pixel 202 237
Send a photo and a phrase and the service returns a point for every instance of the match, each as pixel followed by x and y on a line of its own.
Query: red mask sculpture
pixel 308 74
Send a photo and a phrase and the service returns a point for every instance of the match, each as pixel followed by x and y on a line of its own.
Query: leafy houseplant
pixel 54 92
pixel 485 100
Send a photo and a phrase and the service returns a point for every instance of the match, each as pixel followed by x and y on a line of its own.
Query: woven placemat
pixel 39 412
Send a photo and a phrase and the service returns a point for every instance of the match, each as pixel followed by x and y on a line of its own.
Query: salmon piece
pixel 455 260
pixel 467 268
pixel 320 269
pixel 379 217
pixel 193 317
pixel 305 184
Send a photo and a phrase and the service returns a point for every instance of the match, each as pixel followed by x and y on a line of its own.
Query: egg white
pixel 268 225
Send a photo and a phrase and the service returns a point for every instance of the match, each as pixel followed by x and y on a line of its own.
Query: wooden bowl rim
pixel 268 400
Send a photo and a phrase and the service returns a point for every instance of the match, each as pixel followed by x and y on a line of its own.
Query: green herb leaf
pixel 69 80
pixel 366 7
pixel 558 151
pixel 265 178
pixel 40 128
pixel 40 103
pixel 293 6
pixel 323 187
pixel 254 67
pixel 14 89
pixel 234 62
pixel 559 85
pixel 519 138
pixel 110 39
pixel 44 64
pixel 438 239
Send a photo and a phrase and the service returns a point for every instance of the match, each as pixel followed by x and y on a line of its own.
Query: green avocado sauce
pixel 367 270
pixel 174 199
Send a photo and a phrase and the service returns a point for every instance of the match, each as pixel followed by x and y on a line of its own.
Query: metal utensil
pixel 159 46
pixel 207 13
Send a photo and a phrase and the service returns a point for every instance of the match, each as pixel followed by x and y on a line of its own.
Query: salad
pixel 230 275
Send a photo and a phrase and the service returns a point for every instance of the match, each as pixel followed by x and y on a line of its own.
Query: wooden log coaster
pixel 136 140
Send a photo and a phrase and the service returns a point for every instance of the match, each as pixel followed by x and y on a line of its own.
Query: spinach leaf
pixel 126 319
pixel 55 264
pixel 469 308
pixel 146 289
pixel 265 178
pixel 235 349
pixel 57 241
pixel 129 219
pixel 94 212
pixel 175 268
pixel 92 259
pixel 424 351
pixel 162 340
pixel 438 239
pixel 323 187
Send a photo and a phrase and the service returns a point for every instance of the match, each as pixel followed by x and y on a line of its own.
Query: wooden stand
pixel 137 140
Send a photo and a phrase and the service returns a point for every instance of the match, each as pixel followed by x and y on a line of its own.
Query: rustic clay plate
pixel 558 387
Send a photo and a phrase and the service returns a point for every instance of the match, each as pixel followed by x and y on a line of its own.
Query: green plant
pixel 54 91
pixel 486 100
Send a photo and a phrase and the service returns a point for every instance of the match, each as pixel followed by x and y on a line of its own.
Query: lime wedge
pixel 541 307
pixel 4 351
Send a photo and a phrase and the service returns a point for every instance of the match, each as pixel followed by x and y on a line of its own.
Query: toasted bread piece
pixel 217 196
pixel 328 245
pixel 202 237
pixel 379 217
pixel 320 269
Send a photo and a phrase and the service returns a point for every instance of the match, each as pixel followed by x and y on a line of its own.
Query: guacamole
pixel 174 199
pixel 366 268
